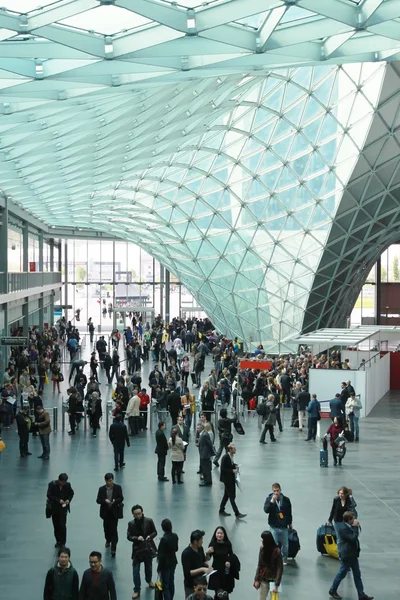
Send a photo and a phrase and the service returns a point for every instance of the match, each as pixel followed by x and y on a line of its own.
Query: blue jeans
pixel 45 441
pixel 168 583
pixel 354 425
pixel 281 537
pixel 188 418
pixel 345 566
pixel 148 570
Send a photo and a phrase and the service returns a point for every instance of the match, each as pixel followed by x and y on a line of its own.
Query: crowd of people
pixel 177 351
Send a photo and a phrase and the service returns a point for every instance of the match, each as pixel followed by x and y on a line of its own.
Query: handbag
pixel 60 376
pixel 49 509
pixel 158 593
pixel 2 446
pixel 274 596
pixel 146 550
pixel 239 428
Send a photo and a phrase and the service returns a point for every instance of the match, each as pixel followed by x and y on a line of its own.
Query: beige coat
pixel 132 410
pixel 44 423
pixel 177 454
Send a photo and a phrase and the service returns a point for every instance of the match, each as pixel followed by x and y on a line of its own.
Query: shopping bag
pixel 274 596
pixel 2 446
pixel 46 379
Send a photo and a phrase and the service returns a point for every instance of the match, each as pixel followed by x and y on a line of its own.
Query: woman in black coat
pixel 224 562
pixel 342 503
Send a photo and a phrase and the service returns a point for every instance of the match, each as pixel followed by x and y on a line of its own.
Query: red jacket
pixel 144 401
pixel 334 431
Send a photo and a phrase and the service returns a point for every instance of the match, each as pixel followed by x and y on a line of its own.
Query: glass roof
pixel 220 139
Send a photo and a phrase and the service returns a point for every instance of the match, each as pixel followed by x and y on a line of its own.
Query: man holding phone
pixel 279 510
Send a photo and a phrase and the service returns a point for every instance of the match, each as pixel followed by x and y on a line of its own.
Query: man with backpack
pixel 268 412
pixel 62 580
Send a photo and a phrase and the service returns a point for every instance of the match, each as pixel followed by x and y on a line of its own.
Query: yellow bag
pixel 46 379
pixel 274 596
pixel 2 446
pixel 331 546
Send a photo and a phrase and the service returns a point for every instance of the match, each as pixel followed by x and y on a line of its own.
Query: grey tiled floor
pixel 371 469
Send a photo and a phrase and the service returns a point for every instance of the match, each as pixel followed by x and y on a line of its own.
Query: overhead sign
pixel 14 341
pixel 58 307
pixel 262 365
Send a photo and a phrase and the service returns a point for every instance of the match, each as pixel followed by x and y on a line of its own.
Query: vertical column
pixel 161 290
pixel 41 313
pixel 50 311
pixel 25 317
pixel 4 247
pixel 378 292
pixel 154 287
pixel 51 266
pixel 59 256
pixel 40 235
pixel 113 299
pixel 167 295
pixel 25 248
pixel 4 350
pixel 65 278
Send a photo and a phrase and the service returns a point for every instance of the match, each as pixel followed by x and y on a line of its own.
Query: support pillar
pixel 59 245
pixel 65 278
pixel 25 248
pixel 4 247
pixel 25 317
pixel 40 266
pixel 41 313
pixel 50 311
pixel 162 291
pixel 378 292
pixel 51 265
pixel 167 295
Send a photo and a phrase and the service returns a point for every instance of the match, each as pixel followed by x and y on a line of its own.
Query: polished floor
pixel 371 469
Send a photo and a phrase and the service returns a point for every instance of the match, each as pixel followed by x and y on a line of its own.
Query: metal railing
pixel 15 282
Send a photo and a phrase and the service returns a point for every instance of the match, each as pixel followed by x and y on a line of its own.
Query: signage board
pixel 13 341
pixel 58 307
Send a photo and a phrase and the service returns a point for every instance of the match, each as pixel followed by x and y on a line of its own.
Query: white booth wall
pixel 371 384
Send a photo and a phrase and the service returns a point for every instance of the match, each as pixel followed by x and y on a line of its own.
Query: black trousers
pixel 174 417
pixel 110 525
pixel 119 456
pixel 72 422
pixel 269 428
pixel 177 467
pixel 133 425
pixel 278 419
pixel 205 465
pixel 59 519
pixel 312 428
pixel 108 374
pixel 229 494
pixel 143 419
pixel 23 443
pixel 161 466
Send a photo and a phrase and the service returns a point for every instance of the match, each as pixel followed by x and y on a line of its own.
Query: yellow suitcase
pixel 330 546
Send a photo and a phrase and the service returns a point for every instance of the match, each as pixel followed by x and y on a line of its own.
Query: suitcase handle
pixel 329 539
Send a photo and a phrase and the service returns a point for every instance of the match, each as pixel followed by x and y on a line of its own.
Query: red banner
pixel 262 365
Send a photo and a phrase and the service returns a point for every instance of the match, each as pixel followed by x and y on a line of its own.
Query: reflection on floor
pixel 371 469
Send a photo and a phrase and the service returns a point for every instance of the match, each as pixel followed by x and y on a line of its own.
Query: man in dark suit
pixel 59 496
pixel 174 406
pixel 228 473
pixel 110 498
pixel 161 451
pixel 141 532
pixel 118 435
pixel 97 582
pixel 181 389
pixel 206 451
pixel 336 407
pixel 349 553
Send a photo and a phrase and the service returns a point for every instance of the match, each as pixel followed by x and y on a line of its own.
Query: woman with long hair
pixel 334 431
pixel 269 567
pixel 177 448
pixel 224 562
pixel 342 503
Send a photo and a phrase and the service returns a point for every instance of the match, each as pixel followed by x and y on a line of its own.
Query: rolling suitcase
pixel 322 532
pixel 323 454
pixel 294 543
pixel 330 546
pixel 349 435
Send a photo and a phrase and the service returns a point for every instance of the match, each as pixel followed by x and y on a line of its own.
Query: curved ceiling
pixel 219 137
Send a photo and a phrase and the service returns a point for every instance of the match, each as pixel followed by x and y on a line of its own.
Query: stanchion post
pixel 55 418
pixel 63 419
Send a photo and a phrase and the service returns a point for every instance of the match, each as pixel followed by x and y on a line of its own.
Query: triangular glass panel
pixel 294 114
pixel 293 93
pixel 274 101
pixel 281 148
pixel 302 76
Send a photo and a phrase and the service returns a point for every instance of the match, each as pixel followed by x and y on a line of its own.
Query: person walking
pixel 43 423
pixel 118 435
pixel 269 419
pixel 313 410
pixel 279 510
pixel 110 498
pixel 334 431
pixel 353 408
pixel 141 532
pixel 224 562
pixel 97 582
pixel 225 433
pixel 343 502
pixel 62 580
pixel 133 414
pixel 229 469
pixel 350 551
pixel 269 567
pixel 59 498
pixel 24 424
pixel 161 451
pixel 177 448
pixel 56 376
pixel 73 400
pixel 143 408
pixel 193 561
pixel 95 412
pixel 174 405
pixel 167 549
pixel 206 452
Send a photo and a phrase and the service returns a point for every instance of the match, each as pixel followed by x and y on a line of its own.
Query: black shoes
pixel 203 484
pixel 240 516
pixel 28 453
pixel 163 479
pixel 116 469
pixel 263 442
pixel 223 513
pixel 108 544
pixel 335 595
pixel 71 432
pixel 274 440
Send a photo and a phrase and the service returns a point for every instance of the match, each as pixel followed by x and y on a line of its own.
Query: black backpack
pixel 262 409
